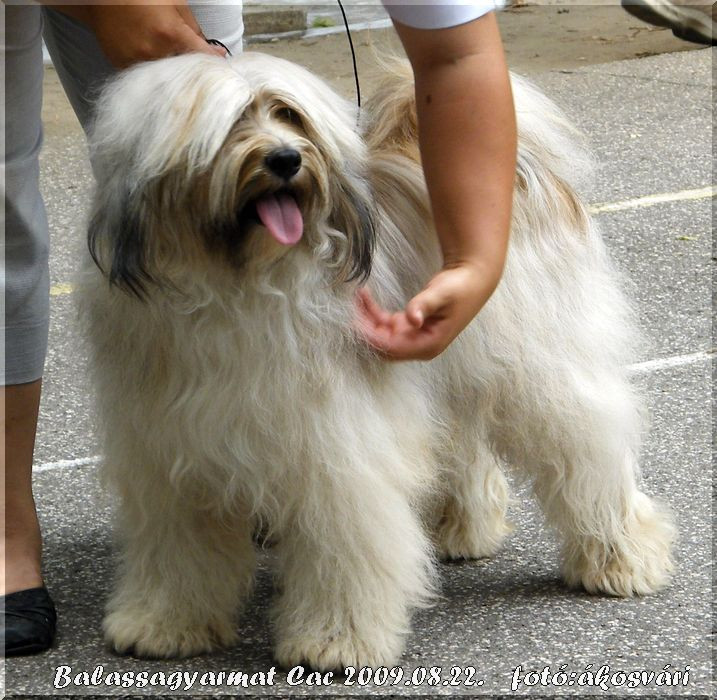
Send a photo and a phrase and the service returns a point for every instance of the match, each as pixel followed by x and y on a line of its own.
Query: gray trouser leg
pixel 78 60
pixel 83 69
pixel 26 278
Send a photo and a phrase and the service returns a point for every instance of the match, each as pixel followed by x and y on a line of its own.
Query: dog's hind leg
pixel 184 572
pixel 472 520
pixel 580 446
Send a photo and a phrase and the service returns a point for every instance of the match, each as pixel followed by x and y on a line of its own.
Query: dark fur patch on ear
pixel 361 232
pixel 127 248
pixel 363 247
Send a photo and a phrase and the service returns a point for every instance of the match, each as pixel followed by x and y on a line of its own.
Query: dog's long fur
pixel 233 390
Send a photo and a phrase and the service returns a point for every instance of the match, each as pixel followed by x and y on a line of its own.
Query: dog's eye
pixel 288 115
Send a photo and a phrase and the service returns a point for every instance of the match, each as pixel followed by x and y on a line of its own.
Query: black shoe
pixel 29 622
pixel 691 20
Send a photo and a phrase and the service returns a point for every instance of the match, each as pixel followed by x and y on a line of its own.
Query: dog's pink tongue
pixel 281 215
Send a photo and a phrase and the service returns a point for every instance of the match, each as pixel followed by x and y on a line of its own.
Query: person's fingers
pixel 191 21
pixel 372 312
pixel 401 340
pixel 397 336
pixel 130 34
pixel 413 345
pixel 425 304
pixel 431 320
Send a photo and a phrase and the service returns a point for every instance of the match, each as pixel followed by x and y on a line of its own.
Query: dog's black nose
pixel 284 162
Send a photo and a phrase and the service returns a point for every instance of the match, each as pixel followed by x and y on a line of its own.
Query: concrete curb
pixel 314 32
pixel 273 21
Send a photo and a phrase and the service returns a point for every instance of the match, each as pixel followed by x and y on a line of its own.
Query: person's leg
pixel 26 289
pixel 26 608
pixel 78 60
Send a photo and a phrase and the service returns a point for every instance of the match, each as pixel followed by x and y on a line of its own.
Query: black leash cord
pixel 353 54
pixel 216 42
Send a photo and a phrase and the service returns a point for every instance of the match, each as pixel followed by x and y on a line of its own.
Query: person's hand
pixel 134 32
pixel 431 320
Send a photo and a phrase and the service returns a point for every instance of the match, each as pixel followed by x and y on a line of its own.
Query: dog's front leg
pixel 184 573
pixel 354 562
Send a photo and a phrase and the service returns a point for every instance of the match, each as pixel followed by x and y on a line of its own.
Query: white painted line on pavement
pixel 652 199
pixel 58 290
pixel 66 463
pixel 675 361
pixel 640 367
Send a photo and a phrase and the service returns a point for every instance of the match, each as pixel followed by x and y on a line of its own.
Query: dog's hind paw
pixel 639 563
pixel 143 636
pixel 337 652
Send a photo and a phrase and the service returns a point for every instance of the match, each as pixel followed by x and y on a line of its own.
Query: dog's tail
pixel 389 122
pixel 554 162
pixel 553 159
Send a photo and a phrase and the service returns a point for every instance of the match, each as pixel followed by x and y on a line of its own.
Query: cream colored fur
pixel 235 393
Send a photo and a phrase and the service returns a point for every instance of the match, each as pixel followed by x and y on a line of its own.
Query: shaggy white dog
pixel 238 208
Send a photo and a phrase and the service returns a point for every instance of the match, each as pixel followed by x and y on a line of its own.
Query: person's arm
pixel 136 31
pixel 467 138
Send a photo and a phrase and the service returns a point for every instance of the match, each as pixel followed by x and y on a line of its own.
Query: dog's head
pixel 237 164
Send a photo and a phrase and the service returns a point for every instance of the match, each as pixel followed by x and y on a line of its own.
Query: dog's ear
pixel 154 121
pixel 117 242
pixel 354 216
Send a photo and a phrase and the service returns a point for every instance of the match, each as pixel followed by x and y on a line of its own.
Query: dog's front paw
pixel 140 634
pixel 456 539
pixel 473 521
pixel 335 653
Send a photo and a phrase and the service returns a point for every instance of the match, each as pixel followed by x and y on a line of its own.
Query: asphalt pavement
pixel 650 124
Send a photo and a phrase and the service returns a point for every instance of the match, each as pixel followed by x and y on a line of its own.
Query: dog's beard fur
pixel 232 389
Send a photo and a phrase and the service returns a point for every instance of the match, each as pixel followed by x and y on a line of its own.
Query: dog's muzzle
pixel 278 210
